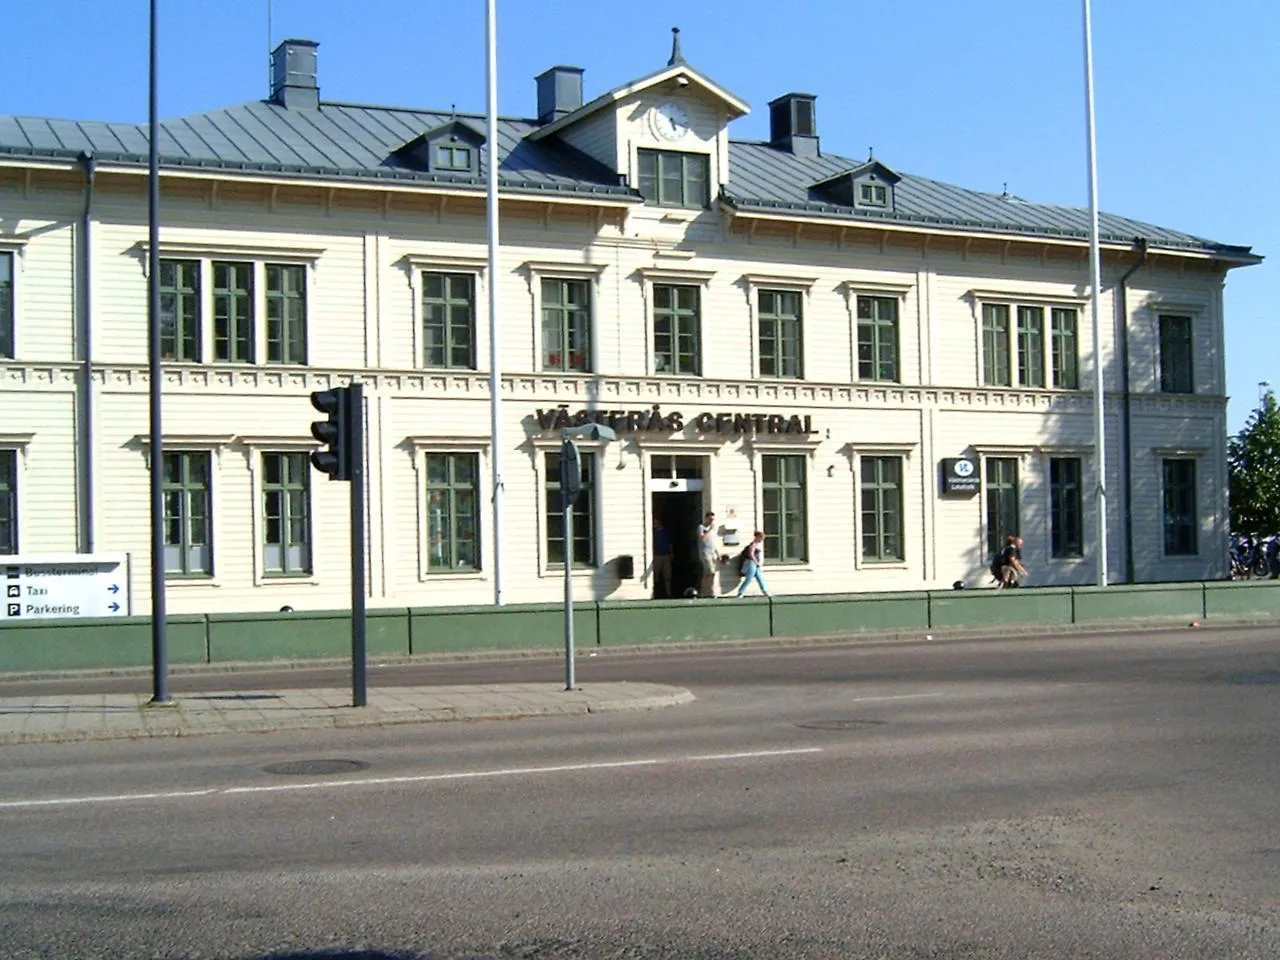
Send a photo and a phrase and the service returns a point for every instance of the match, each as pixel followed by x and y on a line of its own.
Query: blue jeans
pixel 751 571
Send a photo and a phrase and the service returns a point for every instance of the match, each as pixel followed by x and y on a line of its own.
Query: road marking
pixel 422 778
pixel 896 696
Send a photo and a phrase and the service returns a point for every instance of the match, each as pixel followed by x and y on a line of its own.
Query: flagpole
pixel 495 371
pixel 1095 279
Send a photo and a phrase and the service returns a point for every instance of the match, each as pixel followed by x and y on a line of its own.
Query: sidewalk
pixel 50 719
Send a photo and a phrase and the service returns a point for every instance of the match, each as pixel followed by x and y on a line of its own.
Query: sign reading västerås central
pixel 65 587
pixel 655 421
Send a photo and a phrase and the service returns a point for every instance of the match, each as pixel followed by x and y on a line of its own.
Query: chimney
pixel 793 124
pixel 293 75
pixel 559 92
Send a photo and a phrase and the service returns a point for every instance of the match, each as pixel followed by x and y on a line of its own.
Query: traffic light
pixel 334 432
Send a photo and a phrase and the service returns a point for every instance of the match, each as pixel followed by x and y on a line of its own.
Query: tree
pixel 1253 462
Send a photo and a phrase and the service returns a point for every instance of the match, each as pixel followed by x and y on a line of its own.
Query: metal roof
pixel 356 142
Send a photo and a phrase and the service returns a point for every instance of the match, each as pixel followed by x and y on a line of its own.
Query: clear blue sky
pixel 978 94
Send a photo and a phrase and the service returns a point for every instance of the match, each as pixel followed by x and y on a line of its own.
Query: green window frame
pixel 286 514
pixel 781 334
pixel 873 195
pixel 6 307
pixel 449 320
pixel 782 487
pixel 584 514
pixel 566 324
pixel 677 329
pixel 995 345
pixel 881 482
pixel 1177 364
pixel 180 310
pixel 1066 348
pixel 1003 514
pixel 453 158
pixel 8 501
pixel 1180 513
pixel 1066 508
pixel 286 313
pixel 673 179
pixel 188 526
pixel 878 339
pixel 1031 346
pixel 453 514
pixel 233 334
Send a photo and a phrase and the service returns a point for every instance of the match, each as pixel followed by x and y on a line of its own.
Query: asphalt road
pixel 1104 797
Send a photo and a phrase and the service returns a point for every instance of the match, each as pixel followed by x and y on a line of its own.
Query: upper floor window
pixel 672 179
pixel 180 333
pixel 781 334
pixel 286 314
pixel 676 329
pixel 286 514
pixel 878 339
pixel 6 306
pixel 1016 342
pixel 233 333
pixel 1179 507
pixel 1175 355
pixel 566 324
pixel 1066 350
pixel 452 157
pixel 873 195
pixel 453 541
pixel 8 501
pixel 187 515
pixel 449 320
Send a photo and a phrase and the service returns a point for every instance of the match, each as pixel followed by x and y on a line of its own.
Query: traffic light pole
pixel 355 450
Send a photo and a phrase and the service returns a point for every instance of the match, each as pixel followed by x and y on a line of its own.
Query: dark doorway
pixel 680 513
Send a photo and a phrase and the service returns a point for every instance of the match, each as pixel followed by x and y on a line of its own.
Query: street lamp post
pixel 570 490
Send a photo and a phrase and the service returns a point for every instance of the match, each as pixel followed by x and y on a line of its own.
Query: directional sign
pixel 64 587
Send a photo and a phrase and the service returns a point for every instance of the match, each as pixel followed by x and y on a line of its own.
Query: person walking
pixel 752 564
pixel 1007 567
pixel 708 555
pixel 662 557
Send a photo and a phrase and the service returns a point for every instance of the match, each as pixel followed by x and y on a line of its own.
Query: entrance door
pixel 676 490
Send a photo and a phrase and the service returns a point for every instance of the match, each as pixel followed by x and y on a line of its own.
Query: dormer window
pixel 873 195
pixel 452 158
pixel 673 179
pixel 453 148
pixel 867 187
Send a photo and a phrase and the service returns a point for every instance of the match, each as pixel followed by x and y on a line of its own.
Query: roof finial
pixel 1005 193
pixel 676 55
pixel 871 154
pixel 453 111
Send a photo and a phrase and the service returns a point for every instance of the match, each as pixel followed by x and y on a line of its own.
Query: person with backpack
pixel 750 562
pixel 1007 568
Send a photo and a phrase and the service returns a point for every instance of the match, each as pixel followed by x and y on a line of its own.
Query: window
pixel 1002 502
pixel 1031 346
pixel 233 312
pixel 676 329
pixel 882 508
pixel 584 514
pixel 452 515
pixel 1175 355
pixel 1179 507
pixel 6 306
pixel 672 179
pixel 180 310
pixel 873 195
pixel 286 314
pixel 566 324
pixel 780 334
pixel 1066 516
pixel 782 487
pixel 449 320
pixel 8 501
pixel 187 541
pixel 453 157
pixel 878 339
pixel 995 345
pixel 286 514
pixel 1066 350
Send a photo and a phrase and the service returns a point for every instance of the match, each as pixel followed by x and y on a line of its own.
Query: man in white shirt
pixel 708 555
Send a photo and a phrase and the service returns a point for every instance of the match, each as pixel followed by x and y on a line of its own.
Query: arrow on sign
pixel 113 589
pixel 113 607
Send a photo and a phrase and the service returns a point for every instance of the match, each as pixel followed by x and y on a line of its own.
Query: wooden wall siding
pixel 597 137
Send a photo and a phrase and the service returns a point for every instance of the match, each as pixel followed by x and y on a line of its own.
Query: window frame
pixel 877 490
pixel 451 148
pixel 1172 370
pixel 264 489
pixel 876 200
pixel 1191 489
pixel 10 499
pixel 875 325
pixel 991 511
pixel 592 461
pixel 565 330
pixel 1066 509
pixel 292 348
pixel 451 488
pixel 674 313
pixel 775 542
pixel 779 320
pixel 653 187
pixel 1027 356
pixel 1060 370
pixel 185 295
pixel 184 488
pixel 9 306
pixel 449 302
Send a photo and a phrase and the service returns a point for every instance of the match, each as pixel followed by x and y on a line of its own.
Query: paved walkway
pixel 119 716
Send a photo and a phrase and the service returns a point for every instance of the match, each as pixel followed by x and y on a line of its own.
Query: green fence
pixel 124 642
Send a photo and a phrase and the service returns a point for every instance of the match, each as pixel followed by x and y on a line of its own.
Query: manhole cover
pixel 314 768
pixel 1247 679
pixel 844 724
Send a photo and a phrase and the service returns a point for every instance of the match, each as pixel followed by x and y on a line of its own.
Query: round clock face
pixel 671 121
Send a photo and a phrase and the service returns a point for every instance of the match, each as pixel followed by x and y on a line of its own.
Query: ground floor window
pixel 286 514
pixel 8 501
pixel 584 514
pixel 881 508
pixel 1066 514
pixel 785 523
pixel 453 541
pixel 187 541
pixel 1002 502
pixel 1179 507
